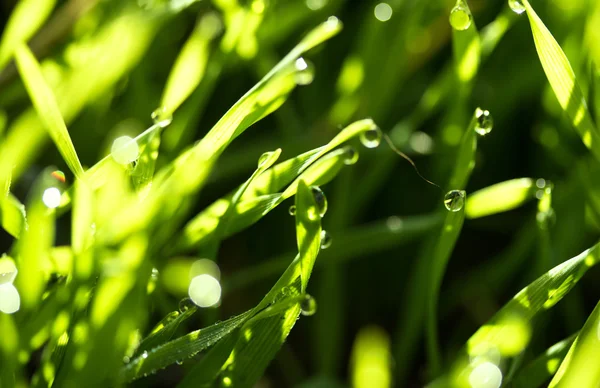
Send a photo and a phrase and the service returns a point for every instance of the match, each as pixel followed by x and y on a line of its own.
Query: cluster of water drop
pixel 454 200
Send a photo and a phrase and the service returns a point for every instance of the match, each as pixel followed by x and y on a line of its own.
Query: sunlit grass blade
pixel 163 331
pixel 308 230
pixel 12 215
pixel 508 333
pixel 579 367
pixel 500 197
pixel 562 80
pixel 144 170
pixel 83 230
pixel 540 370
pixel 9 348
pixel 45 104
pixel 190 65
pixel 371 359
pixel 180 348
pixel 466 43
pixel 24 21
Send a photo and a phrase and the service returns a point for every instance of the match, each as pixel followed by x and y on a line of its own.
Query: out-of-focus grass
pixel 143 241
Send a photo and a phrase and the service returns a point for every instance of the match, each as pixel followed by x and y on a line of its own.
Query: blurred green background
pixel 393 64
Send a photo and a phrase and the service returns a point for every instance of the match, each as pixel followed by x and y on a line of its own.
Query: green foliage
pixel 190 131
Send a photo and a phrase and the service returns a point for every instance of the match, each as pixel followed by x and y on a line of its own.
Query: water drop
pixel 516 6
pixel 161 117
pixel 325 239
pixel 227 382
pixel 305 72
pixel 51 197
pixel 7 277
pixel 205 290
pixel 460 17
pixel 154 274
pixel 351 156
pixel 125 150
pixel 185 304
pixel 263 158
pixel 454 200
pixel 10 301
pixel 8 271
pixel 320 199
pixel 292 210
pixel 308 306
pixel 145 355
pixel 126 360
pixel 484 122
pixel 371 138
pixel 485 375
pixel 179 362
pixel 332 23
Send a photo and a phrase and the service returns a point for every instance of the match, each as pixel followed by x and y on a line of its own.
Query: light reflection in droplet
pixel 51 197
pixel 383 12
pixel 205 290
pixel 125 150
pixel 205 266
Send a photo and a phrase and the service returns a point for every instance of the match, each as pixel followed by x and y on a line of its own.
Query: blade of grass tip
pixel 24 21
pixel 563 82
pixel 12 215
pixel 579 367
pixel 509 331
pixel 466 42
pixel 541 369
pixel 500 197
pixel 45 104
pixel 308 229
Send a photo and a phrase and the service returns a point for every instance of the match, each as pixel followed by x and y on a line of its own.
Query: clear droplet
pixel 51 197
pixel 454 200
pixel 371 138
pixel 7 277
pixel 145 355
pixel 125 150
pixel 326 239
pixel 485 375
pixel 305 71
pixel 161 117
pixel 460 17
pixel 227 382
pixel 126 360
pixel 351 156
pixel 263 158
pixel 185 304
pixel 484 122
pixel 320 199
pixel 308 306
pixel 315 5
pixel 292 210
pixel 10 301
pixel 205 290
pixel 516 6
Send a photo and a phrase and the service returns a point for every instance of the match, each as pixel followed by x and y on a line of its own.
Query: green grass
pixel 249 227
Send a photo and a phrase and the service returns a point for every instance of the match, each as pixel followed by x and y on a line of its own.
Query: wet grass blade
pixel 308 231
pixel 45 104
pixel 12 215
pixel 510 330
pixel 562 80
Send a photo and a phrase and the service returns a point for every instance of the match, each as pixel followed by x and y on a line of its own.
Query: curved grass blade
pixel 308 231
pixel 500 197
pixel 24 21
pixel 45 104
pixel 580 366
pixel 180 348
pixel 509 330
pixel 144 170
pixel 563 82
pixel 163 331
pixel 540 370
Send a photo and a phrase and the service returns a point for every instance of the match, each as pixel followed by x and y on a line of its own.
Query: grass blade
pixel 12 215
pixel 500 197
pixel 45 104
pixel 308 230
pixel 562 80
